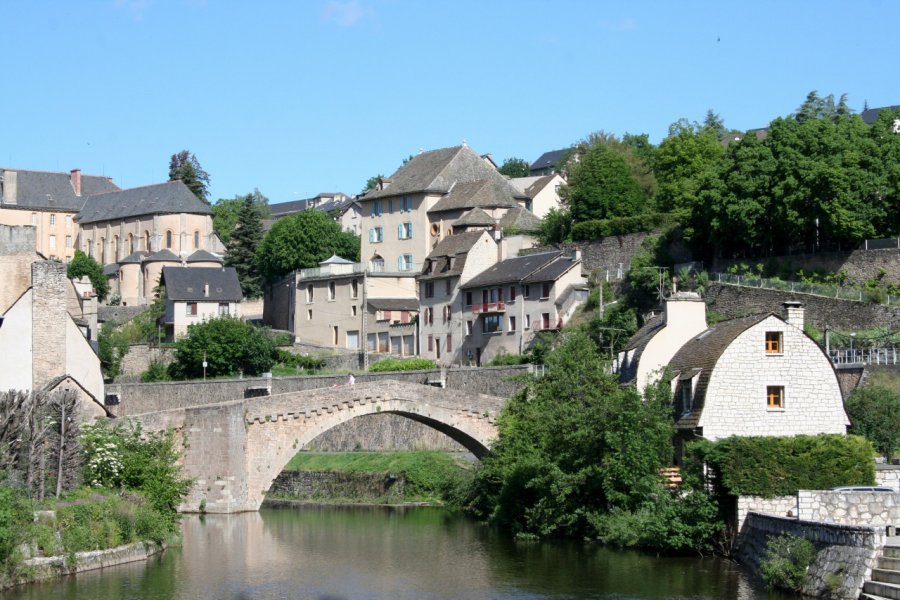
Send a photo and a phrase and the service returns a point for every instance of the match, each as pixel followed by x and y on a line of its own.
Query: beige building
pixel 505 306
pixel 198 294
pixel 42 346
pixel 49 202
pixel 542 192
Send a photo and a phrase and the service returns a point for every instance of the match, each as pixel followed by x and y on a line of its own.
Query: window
pixel 115 247
pixel 449 342
pixel 429 289
pixel 545 290
pixel 34 218
pixel 468 298
pixel 354 288
pixel 430 343
pixel 527 291
pixel 130 244
pixel 376 235
pixel 147 241
pixel 405 262
pixel 68 241
pixel 68 221
pixel 492 324
pixel 687 396
pixel 773 342
pixel 90 248
pixel 527 321
pixel 429 315
pixel 512 293
pixel 53 218
pixel 223 309
pixel 168 238
pixel 775 396
pixel 353 310
pixel 376 208
pixel 331 290
pixel 53 242
pixel 309 293
pixel 377 264
pixel 334 335
pixel 196 240
pixel 406 204
pixel 448 286
pixel 309 314
pixel 512 323
pixel 447 312
pixel 404 231
pixel 191 309
pixel 468 327
pixel 545 321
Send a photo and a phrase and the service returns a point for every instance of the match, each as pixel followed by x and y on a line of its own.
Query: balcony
pixel 489 307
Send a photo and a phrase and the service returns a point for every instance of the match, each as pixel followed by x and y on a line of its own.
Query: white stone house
pixel 757 375
pixel 198 294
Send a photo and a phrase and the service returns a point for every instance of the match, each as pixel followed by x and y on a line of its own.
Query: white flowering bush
pixel 103 462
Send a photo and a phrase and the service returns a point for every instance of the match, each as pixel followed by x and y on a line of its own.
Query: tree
pixel 714 122
pixel 682 161
pixel 243 245
pixel 515 167
pixel 228 345
pixel 303 240
pixel 225 213
pixel 81 265
pixel 556 227
pixel 875 414
pixel 372 182
pixel 602 185
pixel 185 166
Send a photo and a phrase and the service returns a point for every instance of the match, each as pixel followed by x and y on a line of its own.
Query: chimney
pixel 48 325
pixel 576 255
pixel 75 179
pixel 8 182
pixel 206 290
pixel 793 313
pixel 686 310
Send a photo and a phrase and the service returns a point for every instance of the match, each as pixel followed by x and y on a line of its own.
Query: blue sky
pixel 301 97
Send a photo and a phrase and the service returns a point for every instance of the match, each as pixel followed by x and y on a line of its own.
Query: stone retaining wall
pixel 324 485
pixel 778 506
pixel 139 357
pixel 873 509
pixel 888 475
pixel 845 554
pixel 57 566
pixel 738 301
pixel 860 265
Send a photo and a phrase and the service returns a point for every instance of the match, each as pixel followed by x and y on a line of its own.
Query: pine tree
pixel 242 247
pixel 185 166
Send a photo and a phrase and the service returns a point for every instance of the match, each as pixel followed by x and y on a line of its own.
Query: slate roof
pixel 871 115
pixel 521 219
pixel 111 270
pixel 440 171
pixel 494 192
pixel 548 160
pixel 186 284
pixel 134 257
pixel 336 260
pixel 475 218
pixel 552 270
pixel 164 255
pixel 411 304
pixel 162 198
pixel 703 353
pixel 453 246
pixel 513 270
pixel 204 256
pixel 283 209
pixel 41 190
pixel 637 343
pixel 531 186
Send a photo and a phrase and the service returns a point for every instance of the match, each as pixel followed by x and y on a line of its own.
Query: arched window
pixel 115 248
pixel 168 238
pixel 196 240
pixel 130 244
pixel 102 251
pixel 90 248
pixel 377 264
pixel 147 241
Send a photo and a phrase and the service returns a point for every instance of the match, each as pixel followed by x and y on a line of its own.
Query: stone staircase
pixel 885 582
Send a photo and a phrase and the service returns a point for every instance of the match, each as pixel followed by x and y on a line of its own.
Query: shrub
pixel 289 359
pixel 787 559
pixel 228 345
pixel 875 413
pixel 779 466
pixel 15 521
pixel 401 364
pixel 504 358
pixel 156 371
pixel 601 228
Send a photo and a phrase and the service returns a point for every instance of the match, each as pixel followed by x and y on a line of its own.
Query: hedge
pixel 779 466
pixel 601 228
pixel 401 364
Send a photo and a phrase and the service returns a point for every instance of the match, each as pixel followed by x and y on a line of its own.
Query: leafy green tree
pixel 372 182
pixel 303 240
pixel 601 185
pixel 82 265
pixel 225 213
pixel 112 346
pixel 228 345
pixel 515 167
pixel 185 166
pixel 556 227
pixel 682 161
pixel 243 245
pixel 875 414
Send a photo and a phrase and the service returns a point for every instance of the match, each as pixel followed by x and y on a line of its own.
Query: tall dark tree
pixel 185 166
pixel 243 245
pixel 515 167
pixel 225 213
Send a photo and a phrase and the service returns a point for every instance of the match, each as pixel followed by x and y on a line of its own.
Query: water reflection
pixel 333 553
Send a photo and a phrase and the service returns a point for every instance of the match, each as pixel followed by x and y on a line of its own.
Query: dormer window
pixel 774 342
pixel 687 396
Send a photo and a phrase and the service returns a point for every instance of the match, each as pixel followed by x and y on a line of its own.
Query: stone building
pixel 49 202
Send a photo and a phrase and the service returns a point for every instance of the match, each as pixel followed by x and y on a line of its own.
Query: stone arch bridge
pixel 234 450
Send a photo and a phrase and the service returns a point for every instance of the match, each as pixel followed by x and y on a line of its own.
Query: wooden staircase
pixel 885 582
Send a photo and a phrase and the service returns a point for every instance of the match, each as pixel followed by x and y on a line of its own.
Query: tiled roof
pixel 475 218
pixel 339 202
pixel 531 186
pixel 204 256
pixel 453 249
pixel 513 270
pixel 552 270
pixel 134 257
pixel 549 160
pixel 334 259
pixel 111 270
pixel 164 255
pixel 394 303
pixel 490 193
pixel 703 353
pixel 520 219
pixel 871 115
pixel 42 190
pixel 637 344
pixel 162 198
pixel 187 283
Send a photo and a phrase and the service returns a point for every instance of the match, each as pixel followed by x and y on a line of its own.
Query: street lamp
pixel 852 355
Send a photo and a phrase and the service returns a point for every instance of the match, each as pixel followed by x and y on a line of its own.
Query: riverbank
pixel 49 567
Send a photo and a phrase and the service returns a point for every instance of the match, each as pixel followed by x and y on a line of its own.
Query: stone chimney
pixel 48 321
pixel 9 185
pixel 794 313
pixel 75 180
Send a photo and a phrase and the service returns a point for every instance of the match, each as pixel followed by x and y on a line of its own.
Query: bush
pixel 875 413
pixel 504 358
pixel 787 559
pixel 228 345
pixel 601 228
pixel 289 359
pixel 779 466
pixel 156 371
pixel 401 364
pixel 15 521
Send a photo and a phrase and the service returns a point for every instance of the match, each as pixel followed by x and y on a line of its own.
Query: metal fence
pixel 814 289
pixel 882 244
pixel 865 356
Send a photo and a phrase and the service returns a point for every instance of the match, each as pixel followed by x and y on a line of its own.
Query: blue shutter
pixel 371 234
pixel 409 230
pixel 400 231
pixel 400 263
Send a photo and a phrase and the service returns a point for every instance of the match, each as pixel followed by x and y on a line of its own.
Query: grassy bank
pixel 437 477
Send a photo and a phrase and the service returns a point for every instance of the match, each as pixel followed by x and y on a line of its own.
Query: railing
pixel 866 356
pixel 331 270
pixel 489 307
pixel 882 244
pixel 813 289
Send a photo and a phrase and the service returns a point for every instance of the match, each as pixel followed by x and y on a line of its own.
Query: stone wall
pixel 380 433
pixel 874 509
pixel 737 301
pixel 139 357
pixel 844 559
pixel 49 321
pixel 888 475
pixel 322 485
pixel 860 265
pixel 849 378
pixel 777 506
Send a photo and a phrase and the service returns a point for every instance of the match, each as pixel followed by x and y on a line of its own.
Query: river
pixel 377 553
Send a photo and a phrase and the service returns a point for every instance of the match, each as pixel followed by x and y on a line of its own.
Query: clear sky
pixel 298 97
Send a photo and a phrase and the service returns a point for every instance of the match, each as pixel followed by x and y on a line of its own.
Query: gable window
pixel 404 231
pixel 774 342
pixel 376 208
pixel 492 323
pixel 309 293
pixel 191 309
pixel 429 289
pixel 545 290
pixel 775 396
pixel 687 396
pixel 223 309
pixel 376 235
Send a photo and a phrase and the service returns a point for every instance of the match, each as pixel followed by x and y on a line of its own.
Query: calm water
pixel 380 553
